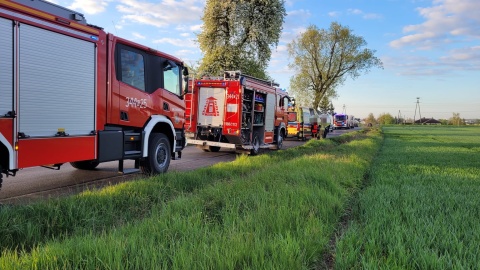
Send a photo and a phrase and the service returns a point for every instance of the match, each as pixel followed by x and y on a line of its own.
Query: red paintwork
pixel 111 96
pixel 268 137
pixel 232 120
pixel 154 101
pixel 234 96
pixel 43 151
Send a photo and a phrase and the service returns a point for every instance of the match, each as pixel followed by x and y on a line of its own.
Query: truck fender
pixel 4 141
pixel 154 120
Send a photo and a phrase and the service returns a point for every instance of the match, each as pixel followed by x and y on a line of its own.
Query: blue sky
pixel 430 48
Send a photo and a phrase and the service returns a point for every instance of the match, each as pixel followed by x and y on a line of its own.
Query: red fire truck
pixel 237 112
pixel 70 92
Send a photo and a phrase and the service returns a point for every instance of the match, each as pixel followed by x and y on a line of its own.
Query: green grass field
pixel 275 211
pixel 421 206
pixel 402 199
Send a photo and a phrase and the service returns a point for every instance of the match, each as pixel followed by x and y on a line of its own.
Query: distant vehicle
pixel 299 123
pixel 343 121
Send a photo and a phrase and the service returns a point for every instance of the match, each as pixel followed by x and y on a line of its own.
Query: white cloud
pixel 355 11
pixel 138 35
pixel 334 14
pixel 196 28
pixel 295 22
pixel 461 59
pixel 177 42
pixel 443 20
pixel 163 13
pixel 367 16
pixel 89 6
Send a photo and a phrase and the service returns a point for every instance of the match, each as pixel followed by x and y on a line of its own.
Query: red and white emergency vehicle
pixel 70 92
pixel 237 112
pixel 343 121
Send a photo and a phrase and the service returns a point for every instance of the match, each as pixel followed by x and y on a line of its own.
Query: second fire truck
pixel 237 112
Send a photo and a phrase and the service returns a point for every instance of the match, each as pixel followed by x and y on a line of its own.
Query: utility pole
pixel 419 113
pixel 344 110
pixel 398 117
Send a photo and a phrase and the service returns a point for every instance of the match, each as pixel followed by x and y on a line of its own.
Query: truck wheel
pixel 85 164
pixel 279 140
pixel 159 155
pixel 214 148
pixel 255 144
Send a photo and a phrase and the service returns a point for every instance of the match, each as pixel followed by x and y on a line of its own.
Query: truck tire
pixel 255 144
pixel 85 164
pixel 159 155
pixel 214 148
pixel 279 140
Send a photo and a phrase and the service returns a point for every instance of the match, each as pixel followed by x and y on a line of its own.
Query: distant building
pixel 427 121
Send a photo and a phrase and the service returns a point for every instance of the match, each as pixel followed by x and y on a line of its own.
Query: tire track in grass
pixel 345 220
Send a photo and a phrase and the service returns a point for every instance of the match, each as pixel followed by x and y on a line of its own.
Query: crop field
pixel 403 198
pixel 275 211
pixel 421 206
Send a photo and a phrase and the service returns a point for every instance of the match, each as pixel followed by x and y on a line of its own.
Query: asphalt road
pixel 40 183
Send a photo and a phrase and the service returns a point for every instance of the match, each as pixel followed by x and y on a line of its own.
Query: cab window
pixel 171 76
pixel 132 68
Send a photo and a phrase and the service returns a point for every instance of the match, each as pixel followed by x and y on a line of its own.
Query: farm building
pixel 428 121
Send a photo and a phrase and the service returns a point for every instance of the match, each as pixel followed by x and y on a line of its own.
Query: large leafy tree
pixel 239 34
pixel 370 120
pixel 456 120
pixel 324 58
pixel 385 119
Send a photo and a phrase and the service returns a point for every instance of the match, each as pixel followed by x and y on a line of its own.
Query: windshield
pixel 340 117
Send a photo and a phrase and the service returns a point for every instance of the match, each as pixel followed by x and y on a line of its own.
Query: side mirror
pixel 185 80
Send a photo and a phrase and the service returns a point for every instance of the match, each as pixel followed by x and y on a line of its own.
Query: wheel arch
pixel 282 128
pixel 6 150
pixel 158 124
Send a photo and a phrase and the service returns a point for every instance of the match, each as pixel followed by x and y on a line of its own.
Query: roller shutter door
pixel 270 113
pixel 6 66
pixel 56 83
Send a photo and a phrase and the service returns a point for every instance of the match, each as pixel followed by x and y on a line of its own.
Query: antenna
pixel 115 28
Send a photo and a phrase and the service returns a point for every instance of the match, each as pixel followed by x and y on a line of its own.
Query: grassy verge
pixel 273 211
pixel 421 207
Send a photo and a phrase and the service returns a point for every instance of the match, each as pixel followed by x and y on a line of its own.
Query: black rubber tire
pixel 85 164
pixel 255 144
pixel 159 155
pixel 279 140
pixel 214 148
